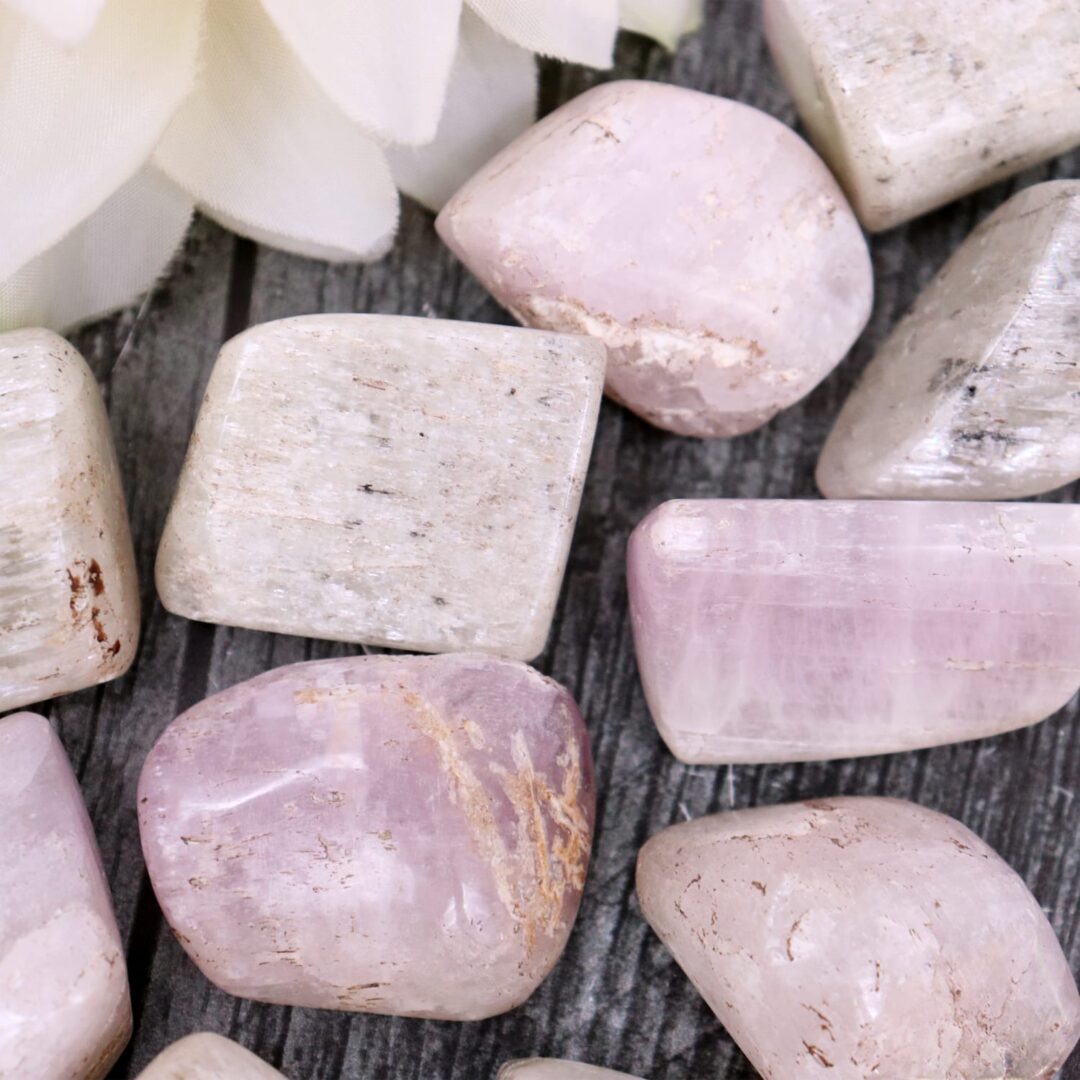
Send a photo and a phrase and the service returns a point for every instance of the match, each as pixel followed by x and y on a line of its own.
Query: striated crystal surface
pixel 795 630
pixel 404 835
pixel 914 104
pixel 64 1007
pixel 701 240
pixel 974 396
pixel 395 481
pixel 858 937
pixel 69 598
pixel 550 1069
pixel 207 1057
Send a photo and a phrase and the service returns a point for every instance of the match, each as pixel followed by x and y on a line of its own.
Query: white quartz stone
pixel 918 102
pixel 69 602
pixel 395 481
pixel 550 1069
pixel 207 1057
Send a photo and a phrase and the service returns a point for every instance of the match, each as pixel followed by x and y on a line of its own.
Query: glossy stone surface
pixel 207 1057
pixel 795 631
pixel 858 937
pixel 701 240
pixel 69 599
pixel 64 1007
pixel 974 396
pixel 395 481
pixel 550 1069
pixel 404 835
pixel 916 104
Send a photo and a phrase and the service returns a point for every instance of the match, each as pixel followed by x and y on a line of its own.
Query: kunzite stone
pixel 550 1069
pixel 797 631
pixel 207 1057
pixel 859 937
pixel 69 598
pixel 701 240
pixel 914 104
pixel 404 835
pixel 396 481
pixel 975 394
pixel 64 1007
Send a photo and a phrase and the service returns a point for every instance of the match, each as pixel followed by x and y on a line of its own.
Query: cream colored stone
pixel 551 1069
pixel 69 600
pixel 402 482
pixel 207 1057
pixel 919 102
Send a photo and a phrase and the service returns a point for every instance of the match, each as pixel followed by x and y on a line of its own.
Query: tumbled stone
pixel 394 481
pixel 69 599
pixel 701 240
pixel 550 1069
pixel 64 1000
pixel 796 631
pixel 974 396
pixel 403 835
pixel 207 1057
pixel 860 937
pixel 915 104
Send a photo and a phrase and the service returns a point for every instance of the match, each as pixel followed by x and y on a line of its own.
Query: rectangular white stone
pixel 403 482
pixel 69 600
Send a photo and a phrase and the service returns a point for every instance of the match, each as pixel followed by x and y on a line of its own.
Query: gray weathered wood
pixel 616 998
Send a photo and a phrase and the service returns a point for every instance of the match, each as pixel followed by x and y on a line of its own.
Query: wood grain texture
pixel 616 998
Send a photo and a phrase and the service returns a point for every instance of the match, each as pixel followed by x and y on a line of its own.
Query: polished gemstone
pixel 404 835
pixel 69 599
pixel 859 937
pixel 975 394
pixel 550 1069
pixel 914 104
pixel 701 240
pixel 795 631
pixel 395 481
pixel 64 1007
pixel 207 1057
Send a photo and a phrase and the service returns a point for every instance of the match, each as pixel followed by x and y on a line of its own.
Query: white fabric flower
pixel 294 122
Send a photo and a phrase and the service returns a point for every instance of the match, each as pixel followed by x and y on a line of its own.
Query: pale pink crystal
pixel 794 631
pixel 858 937
pixel 64 1007
pixel 701 240
pixel 402 835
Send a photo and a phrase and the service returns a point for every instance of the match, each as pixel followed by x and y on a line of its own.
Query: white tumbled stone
pixel 917 103
pixel 69 600
pixel 404 482
pixel 206 1056
pixel 552 1069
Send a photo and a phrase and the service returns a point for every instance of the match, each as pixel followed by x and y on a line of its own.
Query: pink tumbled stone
pixel 859 937
pixel 552 1069
pixel 206 1056
pixel 65 1013
pixel 801 630
pixel 404 835
pixel 701 240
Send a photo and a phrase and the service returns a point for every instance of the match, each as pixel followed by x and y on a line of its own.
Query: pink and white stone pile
pixel 207 1057
pixel 403 835
pixel 65 1013
pixel 795 630
pixel 860 937
pixel 701 240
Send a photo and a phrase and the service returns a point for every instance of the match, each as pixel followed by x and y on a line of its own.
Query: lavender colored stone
pixel 701 240
pixel 797 631
pixel 207 1057
pixel 404 835
pixel 64 1007
pixel 550 1069
pixel 858 937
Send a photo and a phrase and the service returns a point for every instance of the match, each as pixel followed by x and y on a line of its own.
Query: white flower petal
pixel 383 62
pixel 75 124
pixel 105 262
pixel 68 21
pixel 262 149
pixel 491 100
pixel 664 20
pixel 579 30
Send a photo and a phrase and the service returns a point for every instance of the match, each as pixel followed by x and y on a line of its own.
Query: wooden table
pixel 616 998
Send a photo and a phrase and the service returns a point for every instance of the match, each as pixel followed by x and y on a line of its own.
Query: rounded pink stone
pixel 703 241
pixel 404 835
